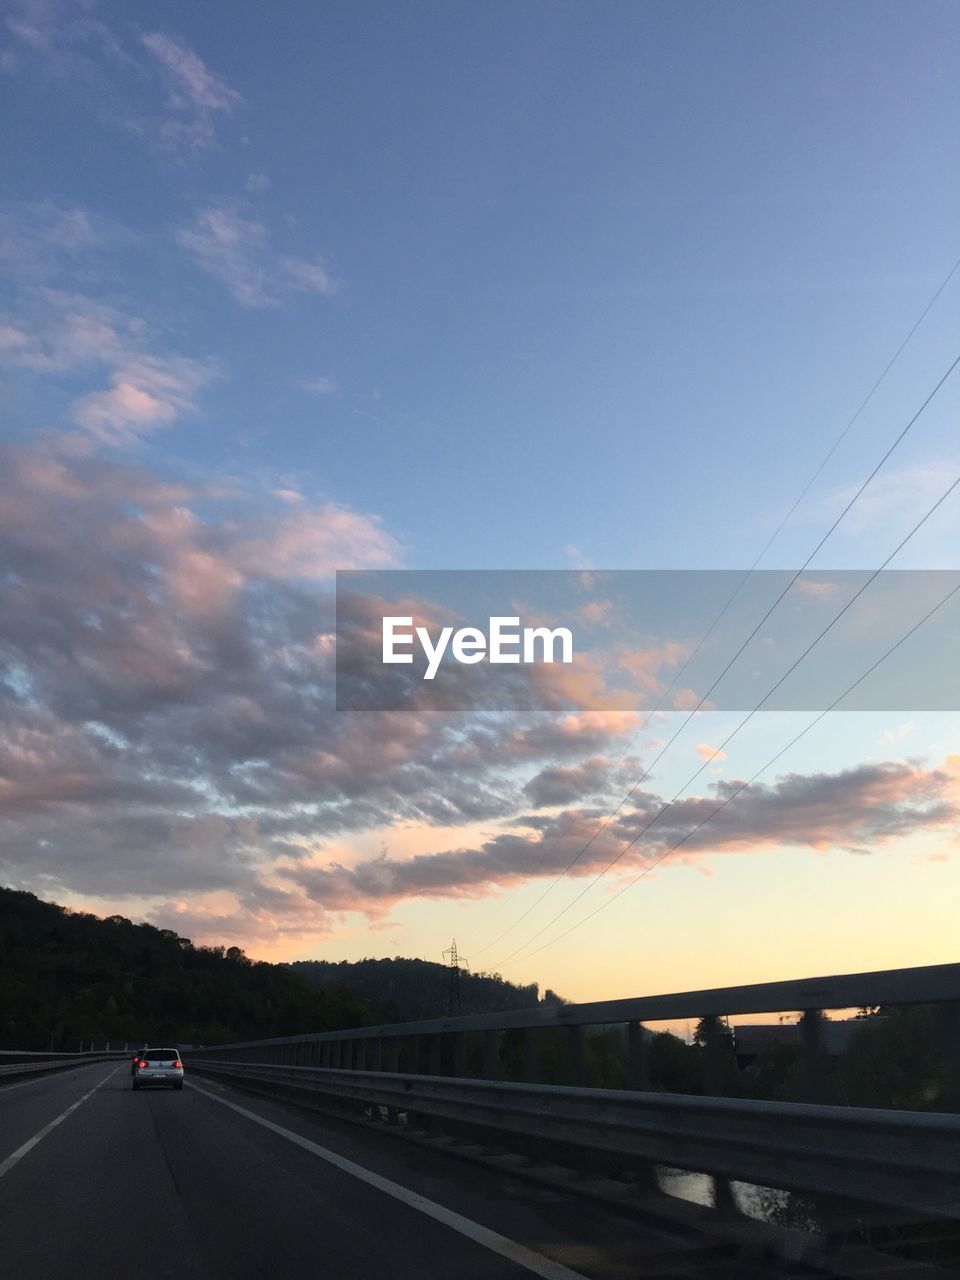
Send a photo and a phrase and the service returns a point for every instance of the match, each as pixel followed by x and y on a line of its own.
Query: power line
pixel 750 714
pixel 749 782
pixel 716 621
pixel 683 724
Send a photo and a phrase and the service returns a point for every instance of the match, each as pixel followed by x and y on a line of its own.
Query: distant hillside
pixel 67 977
pixel 410 989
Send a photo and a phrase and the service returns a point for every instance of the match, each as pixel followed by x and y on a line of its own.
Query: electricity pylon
pixel 454 1008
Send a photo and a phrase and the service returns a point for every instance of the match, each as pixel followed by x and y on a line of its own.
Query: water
pixel 762 1203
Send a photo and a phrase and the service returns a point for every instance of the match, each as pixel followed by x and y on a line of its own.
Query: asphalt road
pixel 210 1182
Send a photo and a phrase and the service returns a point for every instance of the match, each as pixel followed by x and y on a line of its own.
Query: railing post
pixel 434 1055
pixel 815 1055
pixel 637 1057
pixel 377 1064
pixel 713 1063
pixel 950 1029
pixel 575 1049
pixel 393 1054
pixel 413 1054
pixel 492 1040
pixel 460 1054
pixel 638 1077
pixel 530 1055
pixel 713 1056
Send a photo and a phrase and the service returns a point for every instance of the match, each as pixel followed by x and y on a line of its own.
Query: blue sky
pixel 437 285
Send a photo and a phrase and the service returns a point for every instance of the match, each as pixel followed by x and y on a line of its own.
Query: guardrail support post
pixel 815 1057
pixel 575 1048
pixel 950 1027
pixel 393 1054
pixel 434 1058
pixel 637 1057
pixel 715 1056
pixel 377 1054
pixel 460 1053
pixel 530 1055
pixel 723 1199
pixel 492 1041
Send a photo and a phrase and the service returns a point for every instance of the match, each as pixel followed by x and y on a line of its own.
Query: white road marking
pixel 518 1253
pixel 28 1146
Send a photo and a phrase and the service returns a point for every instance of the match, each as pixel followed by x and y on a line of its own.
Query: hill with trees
pixel 407 990
pixel 67 977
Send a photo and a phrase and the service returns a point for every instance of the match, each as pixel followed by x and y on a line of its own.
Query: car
pixel 136 1058
pixel 160 1067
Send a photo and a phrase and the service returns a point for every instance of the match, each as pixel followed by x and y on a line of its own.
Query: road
pixel 97 1180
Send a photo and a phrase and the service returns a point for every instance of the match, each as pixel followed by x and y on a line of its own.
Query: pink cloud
pixel 146 392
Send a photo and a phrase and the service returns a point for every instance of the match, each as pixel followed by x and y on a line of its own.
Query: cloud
pixel 64 37
pixel 168 716
pixel 859 810
pixel 597 613
pixel 38 237
pixel 816 590
pixel 58 332
pixel 237 251
pixel 169 729
pixel 320 385
pixel 65 42
pixel 706 752
pixel 891 502
pixel 897 734
pixel 144 393
pixel 193 85
pixel 258 182
pixel 196 96
pixel 561 784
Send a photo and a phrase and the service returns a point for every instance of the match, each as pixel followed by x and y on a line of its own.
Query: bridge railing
pixel 449 1046
pixel 904 1160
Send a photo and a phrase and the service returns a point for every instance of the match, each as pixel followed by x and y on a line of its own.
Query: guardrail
pixel 454 1068
pixel 412 1046
pixel 43 1062
pixel 902 1160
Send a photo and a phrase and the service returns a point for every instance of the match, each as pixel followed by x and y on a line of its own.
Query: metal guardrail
pixel 50 1062
pixel 398 1045
pixel 910 1161
pixel 928 984
pixel 903 1160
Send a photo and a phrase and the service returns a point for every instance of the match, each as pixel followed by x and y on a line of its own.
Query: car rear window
pixel 161 1055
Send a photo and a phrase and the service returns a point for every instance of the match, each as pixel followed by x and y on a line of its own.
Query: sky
pixel 567 285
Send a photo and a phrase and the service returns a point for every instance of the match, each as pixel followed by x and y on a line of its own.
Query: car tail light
pixel 178 1063
pixel 141 1063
